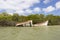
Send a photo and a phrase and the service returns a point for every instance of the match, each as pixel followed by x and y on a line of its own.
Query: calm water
pixel 30 33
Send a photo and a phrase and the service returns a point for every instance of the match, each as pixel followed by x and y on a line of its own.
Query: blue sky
pixel 26 7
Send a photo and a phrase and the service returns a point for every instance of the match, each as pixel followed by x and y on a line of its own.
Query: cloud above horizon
pixel 51 8
pixel 23 7
pixel 48 9
pixel 17 5
pixel 46 1
pixel 57 5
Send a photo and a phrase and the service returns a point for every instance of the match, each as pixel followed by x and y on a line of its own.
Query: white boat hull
pixel 42 24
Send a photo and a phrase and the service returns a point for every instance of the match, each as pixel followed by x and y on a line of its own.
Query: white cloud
pixel 20 12
pixel 49 9
pixel 57 5
pixel 17 5
pixel 9 10
pixel 24 12
pixel 46 1
pixel 37 9
pixel 28 11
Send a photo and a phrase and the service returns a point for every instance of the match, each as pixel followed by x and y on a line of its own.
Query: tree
pixel 15 17
pixel 36 18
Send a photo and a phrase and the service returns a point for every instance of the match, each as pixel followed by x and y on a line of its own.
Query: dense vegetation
pixel 10 20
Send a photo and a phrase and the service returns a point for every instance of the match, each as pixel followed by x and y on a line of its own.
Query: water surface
pixel 30 33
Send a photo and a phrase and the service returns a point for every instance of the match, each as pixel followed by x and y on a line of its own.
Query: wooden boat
pixel 41 24
pixel 26 23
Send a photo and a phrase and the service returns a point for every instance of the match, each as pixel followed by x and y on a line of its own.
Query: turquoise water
pixel 30 33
